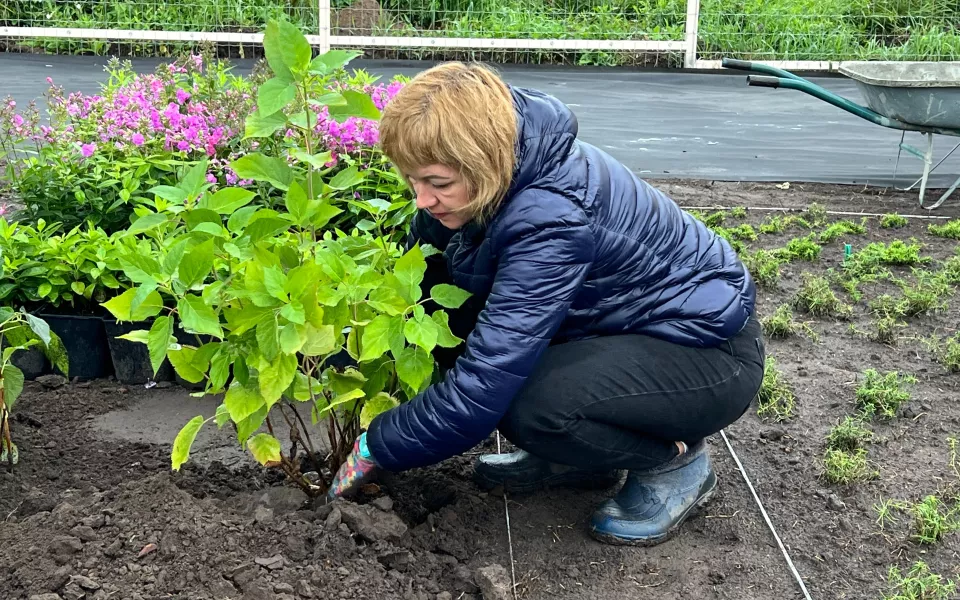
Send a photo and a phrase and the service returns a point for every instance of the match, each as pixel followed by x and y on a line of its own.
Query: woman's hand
pixel 357 470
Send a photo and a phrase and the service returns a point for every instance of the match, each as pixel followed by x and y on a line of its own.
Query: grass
pixel 738 212
pixel 781 324
pixel 871 263
pixel 841 228
pixel 816 297
pixel 764 266
pixel 893 221
pixel 933 519
pixel 849 435
pixel 883 394
pixel 775 398
pixel 747 29
pixel 919 583
pixel 804 248
pixel 950 230
pixel 843 468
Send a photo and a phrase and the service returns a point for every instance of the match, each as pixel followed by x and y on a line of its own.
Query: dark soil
pixel 78 511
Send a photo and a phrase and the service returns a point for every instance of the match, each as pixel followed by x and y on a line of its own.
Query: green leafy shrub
pixel 279 294
pixel 841 228
pixel 802 248
pixel 949 230
pixel 893 221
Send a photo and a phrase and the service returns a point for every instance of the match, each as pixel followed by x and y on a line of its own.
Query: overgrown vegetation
pixel 950 229
pixel 918 583
pixel 773 30
pixel 776 400
pixel 817 298
pixel 893 221
pixel 782 324
pixel 883 394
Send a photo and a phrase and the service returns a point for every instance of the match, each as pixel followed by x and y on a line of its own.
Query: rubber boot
pixel 521 472
pixel 651 505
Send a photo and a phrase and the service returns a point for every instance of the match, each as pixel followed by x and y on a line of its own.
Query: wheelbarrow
pixel 910 96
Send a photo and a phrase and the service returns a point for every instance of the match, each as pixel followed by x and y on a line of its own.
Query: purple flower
pixel 137 139
pixel 87 150
pixel 182 96
pixel 211 178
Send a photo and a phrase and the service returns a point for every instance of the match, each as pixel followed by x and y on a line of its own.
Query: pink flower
pixel 87 150
pixel 182 96
pixel 211 178
pixel 137 139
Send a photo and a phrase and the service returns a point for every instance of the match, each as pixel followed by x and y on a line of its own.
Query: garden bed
pixel 82 505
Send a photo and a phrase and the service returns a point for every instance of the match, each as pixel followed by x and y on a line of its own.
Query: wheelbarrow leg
pixel 927 158
pixel 946 195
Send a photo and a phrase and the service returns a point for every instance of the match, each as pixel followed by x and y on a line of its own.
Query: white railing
pixel 698 30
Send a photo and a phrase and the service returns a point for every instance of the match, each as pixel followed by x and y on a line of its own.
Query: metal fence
pixel 800 34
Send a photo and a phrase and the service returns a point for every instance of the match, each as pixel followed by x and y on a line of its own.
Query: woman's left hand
pixel 357 470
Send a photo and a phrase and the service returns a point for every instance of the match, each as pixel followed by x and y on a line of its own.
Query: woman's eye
pixel 442 186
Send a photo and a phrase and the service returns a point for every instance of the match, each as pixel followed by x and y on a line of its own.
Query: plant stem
pixel 303 428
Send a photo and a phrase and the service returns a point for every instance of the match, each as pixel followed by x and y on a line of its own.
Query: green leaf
pixel 346 179
pixel 358 105
pixel 258 125
pixel 147 222
pixel 319 341
pixel 268 336
pixel 323 213
pixel 251 424
pixel 276 376
pixel 239 220
pixel 317 161
pixel 39 327
pixel 174 255
pixel 260 167
pixel 409 271
pixel 195 179
pixel 121 307
pixel 445 337
pixel 77 288
pixel 294 312
pixel 44 289
pixel 244 319
pixel 331 60
pixel 292 338
pixel 274 94
pixel 169 193
pixel 196 265
pixel 219 369
pixel 414 367
pixel 12 385
pixel 197 317
pixel 141 336
pixel 198 216
pixel 449 296
pixel 381 335
pixel 421 331
pixel 243 400
pixel 377 405
pixel 298 205
pixel 158 341
pixel 386 299
pixel 265 448
pixel 227 200
pixel 223 415
pixel 182 361
pixel 275 282
pixel 140 268
pixel 341 399
pixel 286 48
pixel 184 441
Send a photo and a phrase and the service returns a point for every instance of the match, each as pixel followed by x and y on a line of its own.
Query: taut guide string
pixel 766 518
pixel 506 512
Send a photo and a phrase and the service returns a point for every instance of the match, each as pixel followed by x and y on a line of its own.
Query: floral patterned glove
pixel 357 470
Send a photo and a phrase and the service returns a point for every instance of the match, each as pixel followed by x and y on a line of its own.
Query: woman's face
pixel 441 191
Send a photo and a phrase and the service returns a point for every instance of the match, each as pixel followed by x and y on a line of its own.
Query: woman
pixel 610 330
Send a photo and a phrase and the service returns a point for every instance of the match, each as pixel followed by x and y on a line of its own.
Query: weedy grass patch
pixel 764 266
pixel 804 248
pixel 849 435
pixel 844 468
pixel 775 399
pixel 949 230
pixel 816 297
pixel 782 324
pixel 918 583
pixel 838 229
pixel 893 221
pixel 883 394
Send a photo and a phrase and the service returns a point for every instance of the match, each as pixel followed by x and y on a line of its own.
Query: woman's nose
pixel 425 199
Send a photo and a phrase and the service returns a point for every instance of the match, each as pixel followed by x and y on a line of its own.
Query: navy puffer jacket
pixel 580 248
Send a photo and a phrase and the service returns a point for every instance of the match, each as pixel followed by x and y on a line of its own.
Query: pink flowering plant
pixel 304 304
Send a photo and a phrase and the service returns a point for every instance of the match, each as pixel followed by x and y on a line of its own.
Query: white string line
pixel 506 511
pixel 828 212
pixel 766 518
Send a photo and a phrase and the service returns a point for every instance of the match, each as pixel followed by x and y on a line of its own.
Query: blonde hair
pixel 460 116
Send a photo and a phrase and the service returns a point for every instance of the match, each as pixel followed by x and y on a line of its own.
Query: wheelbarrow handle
pixel 733 63
pixel 763 81
pixel 746 65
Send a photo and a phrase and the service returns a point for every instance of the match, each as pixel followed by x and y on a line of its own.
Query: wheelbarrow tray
pixel 919 93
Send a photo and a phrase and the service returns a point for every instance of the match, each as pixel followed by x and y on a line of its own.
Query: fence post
pixel 692 30
pixel 323 25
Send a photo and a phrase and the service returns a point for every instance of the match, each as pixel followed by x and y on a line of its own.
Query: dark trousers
pixel 621 402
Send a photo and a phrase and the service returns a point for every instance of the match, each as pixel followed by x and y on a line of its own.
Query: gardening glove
pixel 357 470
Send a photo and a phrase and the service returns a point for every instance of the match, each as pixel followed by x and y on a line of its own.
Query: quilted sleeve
pixel 542 261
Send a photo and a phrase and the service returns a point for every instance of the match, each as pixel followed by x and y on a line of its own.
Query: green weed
pixel 816 214
pixel 950 230
pixel 775 398
pixel 839 228
pixel 764 266
pixel 883 394
pixel 926 295
pixel 946 351
pixel 849 435
pixel 844 468
pixel 950 270
pixel 744 232
pixel 803 248
pixel 738 212
pixel 773 224
pixel 817 298
pixel 893 221
pixel 714 219
pixel 885 511
pixel 933 519
pixel 781 324
pixel 920 583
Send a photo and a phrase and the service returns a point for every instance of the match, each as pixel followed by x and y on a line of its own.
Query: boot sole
pixel 614 540
pixel 597 483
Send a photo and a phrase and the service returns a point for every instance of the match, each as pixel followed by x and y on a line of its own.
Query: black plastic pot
pixel 85 341
pixel 131 360
pixel 31 361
